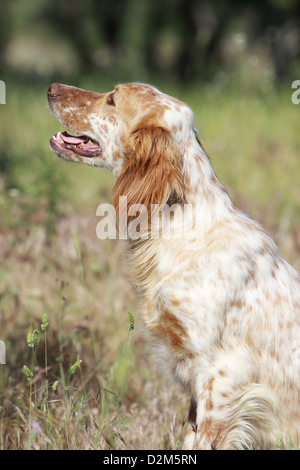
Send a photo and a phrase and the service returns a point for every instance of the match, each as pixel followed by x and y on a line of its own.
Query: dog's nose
pixel 54 90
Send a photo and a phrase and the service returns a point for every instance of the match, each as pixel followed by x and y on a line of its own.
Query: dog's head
pixel 135 130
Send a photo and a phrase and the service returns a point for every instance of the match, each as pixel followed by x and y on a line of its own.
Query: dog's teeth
pixel 57 136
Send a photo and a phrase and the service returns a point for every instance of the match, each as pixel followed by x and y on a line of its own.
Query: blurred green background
pixel 181 40
pixel 233 63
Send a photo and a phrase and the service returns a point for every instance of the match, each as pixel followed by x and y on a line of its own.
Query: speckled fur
pixel 223 317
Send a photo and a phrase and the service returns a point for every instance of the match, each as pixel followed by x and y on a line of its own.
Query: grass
pixel 88 381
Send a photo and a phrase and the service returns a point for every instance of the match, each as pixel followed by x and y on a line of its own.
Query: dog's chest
pixel 181 335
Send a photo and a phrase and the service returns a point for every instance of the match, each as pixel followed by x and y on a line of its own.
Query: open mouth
pixel 81 145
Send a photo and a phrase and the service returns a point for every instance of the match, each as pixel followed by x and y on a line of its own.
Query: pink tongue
pixel 69 139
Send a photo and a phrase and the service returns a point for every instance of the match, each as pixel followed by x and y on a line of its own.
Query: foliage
pixel 179 39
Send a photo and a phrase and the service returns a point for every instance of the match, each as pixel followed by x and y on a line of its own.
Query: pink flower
pixel 36 428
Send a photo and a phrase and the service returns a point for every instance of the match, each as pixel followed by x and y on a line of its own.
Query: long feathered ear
pixel 152 175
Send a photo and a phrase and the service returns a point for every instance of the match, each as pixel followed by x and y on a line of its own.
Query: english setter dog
pixel 222 310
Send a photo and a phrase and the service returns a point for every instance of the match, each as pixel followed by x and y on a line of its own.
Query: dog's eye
pixel 110 100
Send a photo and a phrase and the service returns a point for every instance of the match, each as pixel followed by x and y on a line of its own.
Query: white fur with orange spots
pixel 223 318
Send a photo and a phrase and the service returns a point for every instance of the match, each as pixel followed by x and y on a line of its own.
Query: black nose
pixel 54 90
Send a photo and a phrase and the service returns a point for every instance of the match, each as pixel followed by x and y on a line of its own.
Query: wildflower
pixel 131 321
pixel 36 428
pixel 45 322
pixel 75 366
pixel 33 337
pixel 26 371
pixel 54 386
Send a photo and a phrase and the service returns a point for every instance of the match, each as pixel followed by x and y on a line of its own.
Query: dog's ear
pixel 152 174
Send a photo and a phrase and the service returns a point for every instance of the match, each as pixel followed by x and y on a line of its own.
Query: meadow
pixel 78 371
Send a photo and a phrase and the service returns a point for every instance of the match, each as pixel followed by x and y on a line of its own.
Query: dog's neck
pixel 202 187
pixel 209 205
